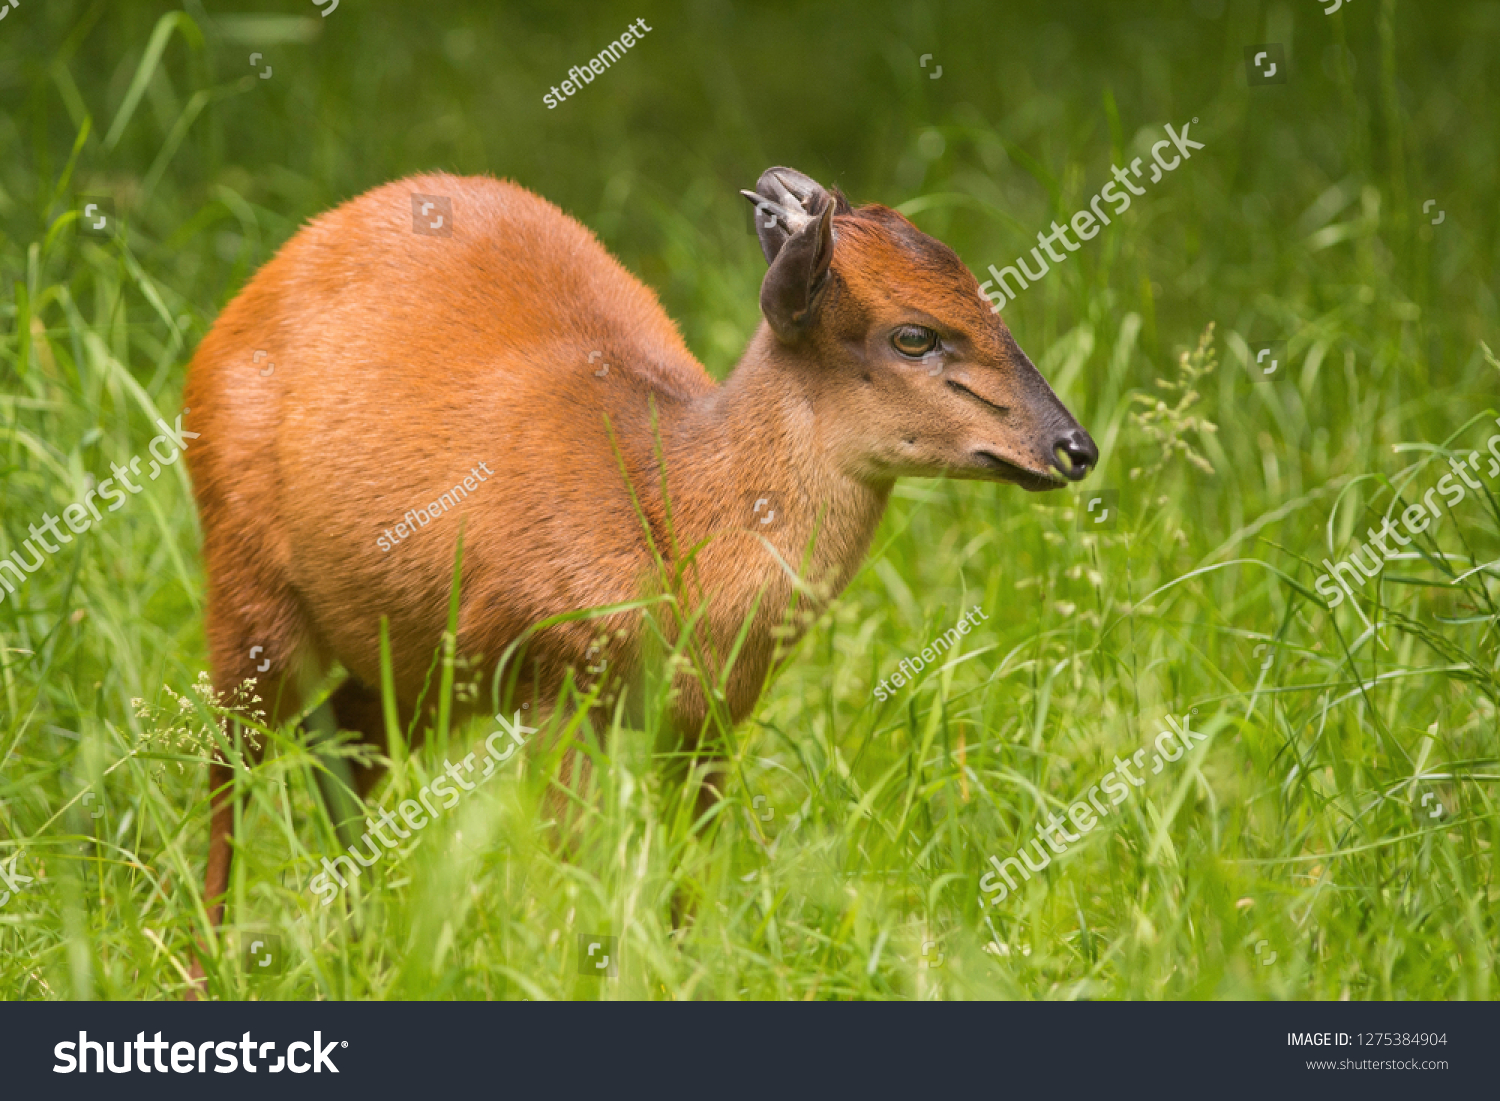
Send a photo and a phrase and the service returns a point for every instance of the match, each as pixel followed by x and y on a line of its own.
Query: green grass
pixel 1299 822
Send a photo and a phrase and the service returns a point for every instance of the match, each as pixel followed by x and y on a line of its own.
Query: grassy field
pixel 1335 835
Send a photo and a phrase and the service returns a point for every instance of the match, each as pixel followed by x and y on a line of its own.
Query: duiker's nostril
pixel 1075 453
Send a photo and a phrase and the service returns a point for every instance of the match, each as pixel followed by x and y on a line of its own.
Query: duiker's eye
pixel 914 341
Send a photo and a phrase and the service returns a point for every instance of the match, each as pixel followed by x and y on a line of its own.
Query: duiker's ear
pixel 789 292
pixel 785 200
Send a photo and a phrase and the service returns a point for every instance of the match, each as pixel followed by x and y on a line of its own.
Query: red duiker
pixel 461 347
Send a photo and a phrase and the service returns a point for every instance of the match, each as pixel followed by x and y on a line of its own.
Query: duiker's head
pixel 890 331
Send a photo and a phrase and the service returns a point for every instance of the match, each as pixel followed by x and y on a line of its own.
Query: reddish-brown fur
pixel 402 361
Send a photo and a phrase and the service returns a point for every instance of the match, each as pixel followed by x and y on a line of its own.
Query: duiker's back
pixel 402 362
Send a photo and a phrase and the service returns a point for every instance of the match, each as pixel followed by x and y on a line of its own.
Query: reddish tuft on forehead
pixel 882 258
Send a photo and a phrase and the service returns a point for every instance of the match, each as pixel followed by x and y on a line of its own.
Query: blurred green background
pixel 1297 831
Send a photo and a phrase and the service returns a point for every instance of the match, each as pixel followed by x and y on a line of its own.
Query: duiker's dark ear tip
pixel 785 200
pixel 781 183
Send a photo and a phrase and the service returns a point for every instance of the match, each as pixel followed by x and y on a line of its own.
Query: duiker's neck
pixel 758 459
pixel 764 435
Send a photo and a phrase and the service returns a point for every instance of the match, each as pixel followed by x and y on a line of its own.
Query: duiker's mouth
pixel 1030 480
